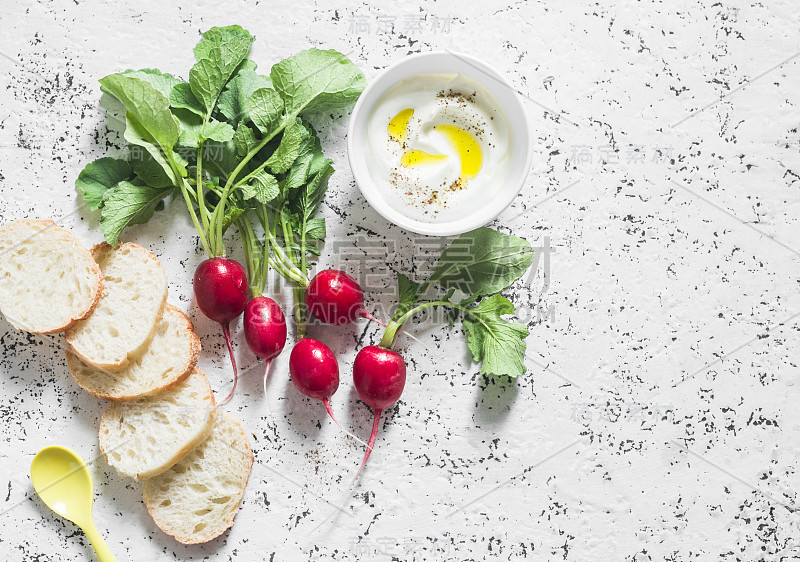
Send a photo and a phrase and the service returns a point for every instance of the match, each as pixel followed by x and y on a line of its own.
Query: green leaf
pixel 209 75
pixel 309 197
pixel 98 177
pixel 181 97
pixel 265 108
pixel 217 131
pixel 233 99
pixel 193 130
pixel 409 293
pixel 483 262
pixel 244 139
pixel 315 229
pixel 190 124
pixel 262 186
pixel 216 36
pixel 308 152
pixel 147 169
pixel 298 173
pixel 161 81
pixel 500 344
pixel 286 153
pixel 147 109
pixel 220 156
pixel 149 122
pixel 232 214
pixel 129 204
pixel 313 80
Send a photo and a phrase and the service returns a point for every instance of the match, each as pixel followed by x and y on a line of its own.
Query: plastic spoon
pixel 61 479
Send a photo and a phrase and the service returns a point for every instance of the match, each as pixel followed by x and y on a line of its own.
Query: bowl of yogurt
pixel 439 143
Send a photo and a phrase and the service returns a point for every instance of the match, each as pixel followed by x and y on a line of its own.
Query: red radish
pixel 265 330
pixel 379 375
pixel 315 373
pixel 336 298
pixel 220 288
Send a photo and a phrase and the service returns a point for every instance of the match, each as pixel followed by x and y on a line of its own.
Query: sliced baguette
pixel 169 359
pixel 48 280
pixel 125 319
pixel 145 438
pixel 197 499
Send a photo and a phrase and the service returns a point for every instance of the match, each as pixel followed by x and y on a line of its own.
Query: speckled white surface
pixel 659 419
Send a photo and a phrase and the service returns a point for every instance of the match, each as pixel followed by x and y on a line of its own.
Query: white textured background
pixel 659 419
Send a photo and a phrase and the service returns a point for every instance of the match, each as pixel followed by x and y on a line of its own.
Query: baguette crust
pixel 117 411
pixel 236 444
pixel 121 361
pixel 102 384
pixel 83 309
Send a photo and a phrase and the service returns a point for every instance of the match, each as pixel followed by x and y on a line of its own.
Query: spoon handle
pixel 100 547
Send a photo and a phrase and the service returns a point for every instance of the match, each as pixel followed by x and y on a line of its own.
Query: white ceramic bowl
pixel 508 101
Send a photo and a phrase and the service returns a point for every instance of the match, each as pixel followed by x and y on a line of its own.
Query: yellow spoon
pixel 61 479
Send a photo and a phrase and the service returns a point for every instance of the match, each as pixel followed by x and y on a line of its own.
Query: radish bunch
pixel 479 265
pixel 221 292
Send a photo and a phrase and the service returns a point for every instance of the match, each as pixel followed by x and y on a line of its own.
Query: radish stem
pixel 394 325
pixel 266 374
pixel 226 331
pixel 375 424
pixel 327 404
pixel 369 316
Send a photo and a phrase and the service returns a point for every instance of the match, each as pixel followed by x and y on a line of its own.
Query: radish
pixel 379 375
pixel 220 288
pixel 265 330
pixel 336 298
pixel 315 373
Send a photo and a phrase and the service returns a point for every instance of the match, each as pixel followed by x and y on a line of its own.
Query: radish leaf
pixel 313 79
pixel 483 262
pixel 315 229
pixel 244 139
pixel 231 143
pixel 181 97
pixel 480 263
pixel 209 75
pixel 148 170
pixel 311 196
pixel 265 108
pixel 498 343
pixel 161 81
pixel 233 100
pixel 149 119
pixel 286 153
pixel 194 130
pixel 217 36
pixel 263 187
pixel 129 204
pixel 100 176
pixel 409 293
pixel 149 122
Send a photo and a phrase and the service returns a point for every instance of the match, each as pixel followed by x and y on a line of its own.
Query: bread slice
pixel 169 359
pixel 48 280
pixel 197 499
pixel 125 319
pixel 145 438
